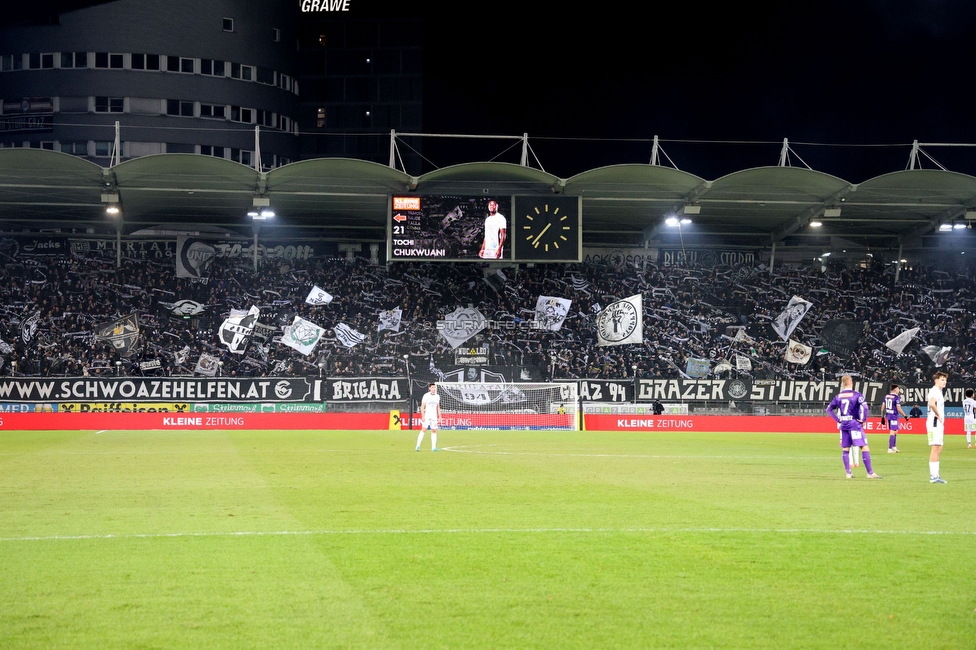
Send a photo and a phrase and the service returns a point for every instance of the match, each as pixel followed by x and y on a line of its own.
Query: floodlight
pixel 816 224
pixel 671 221
pixel 946 227
pixel 685 222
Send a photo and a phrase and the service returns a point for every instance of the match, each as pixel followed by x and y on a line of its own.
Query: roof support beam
pixel 804 217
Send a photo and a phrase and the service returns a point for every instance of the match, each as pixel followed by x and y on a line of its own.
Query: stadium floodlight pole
pixel 406 362
pixel 634 384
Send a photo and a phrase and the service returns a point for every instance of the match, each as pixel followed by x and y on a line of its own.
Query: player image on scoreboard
pixel 449 228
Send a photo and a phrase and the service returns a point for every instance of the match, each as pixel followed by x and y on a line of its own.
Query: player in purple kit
pixel 849 410
pixel 892 407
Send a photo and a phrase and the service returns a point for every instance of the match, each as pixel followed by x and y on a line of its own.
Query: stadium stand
pixel 687 313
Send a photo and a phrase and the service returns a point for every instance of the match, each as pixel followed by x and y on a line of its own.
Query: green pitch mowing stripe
pixel 526 539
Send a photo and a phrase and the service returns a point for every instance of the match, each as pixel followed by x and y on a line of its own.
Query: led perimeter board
pixel 485 228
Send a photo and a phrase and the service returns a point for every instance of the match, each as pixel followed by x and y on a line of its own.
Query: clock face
pixel 547 229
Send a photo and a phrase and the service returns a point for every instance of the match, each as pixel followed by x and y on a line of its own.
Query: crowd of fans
pixel 687 313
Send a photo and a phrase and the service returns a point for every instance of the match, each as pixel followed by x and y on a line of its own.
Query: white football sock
pixel 420 438
pixel 433 440
pixel 934 468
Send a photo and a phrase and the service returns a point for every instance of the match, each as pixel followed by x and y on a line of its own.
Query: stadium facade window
pixel 116 61
pixel 212 67
pixel 179 108
pixel 243 72
pixel 228 24
pixel 74 59
pixel 265 118
pixel 275 34
pixel 103 149
pixel 238 114
pixel 41 61
pixel 144 61
pixel 209 150
pixel 243 157
pixel 109 104
pixel 320 117
pixel 265 76
pixel 215 111
pixel 75 148
pixel 180 147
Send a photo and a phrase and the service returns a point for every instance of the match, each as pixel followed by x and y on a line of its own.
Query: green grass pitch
pixel 317 539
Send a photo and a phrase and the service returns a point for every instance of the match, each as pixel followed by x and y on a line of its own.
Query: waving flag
pixel 302 335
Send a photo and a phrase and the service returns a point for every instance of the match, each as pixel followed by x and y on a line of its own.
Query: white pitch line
pixel 489 531
pixel 476 449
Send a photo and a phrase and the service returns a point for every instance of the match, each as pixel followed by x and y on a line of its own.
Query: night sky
pixel 846 73
pixel 860 72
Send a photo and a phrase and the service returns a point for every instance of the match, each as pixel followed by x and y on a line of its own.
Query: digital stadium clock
pixel 547 229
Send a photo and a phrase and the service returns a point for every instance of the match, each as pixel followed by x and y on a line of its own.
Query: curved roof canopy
pixel 348 199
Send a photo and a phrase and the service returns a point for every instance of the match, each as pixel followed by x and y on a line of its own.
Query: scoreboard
pixel 485 228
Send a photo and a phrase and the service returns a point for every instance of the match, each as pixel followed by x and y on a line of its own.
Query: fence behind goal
pixel 509 406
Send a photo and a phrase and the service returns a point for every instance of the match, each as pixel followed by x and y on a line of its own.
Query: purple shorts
pixel 852 438
pixel 893 425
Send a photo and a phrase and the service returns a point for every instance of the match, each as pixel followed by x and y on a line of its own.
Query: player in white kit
pixel 495 226
pixel 935 424
pixel 969 416
pixel 430 413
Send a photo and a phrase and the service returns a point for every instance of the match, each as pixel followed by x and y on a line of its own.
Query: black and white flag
pixel 184 307
pixel 798 353
pixel 302 335
pixel 460 325
pixel 193 257
pixel 207 365
pixel 181 356
pixel 842 336
pixel 122 334
pixel 347 336
pixel 550 312
pixel 28 327
pixel 621 322
pixel 236 331
pixel 938 355
pixel 318 296
pixel 900 342
pixel 786 322
pixel 390 320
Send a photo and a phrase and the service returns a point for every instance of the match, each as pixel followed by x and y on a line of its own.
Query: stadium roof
pixel 347 199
